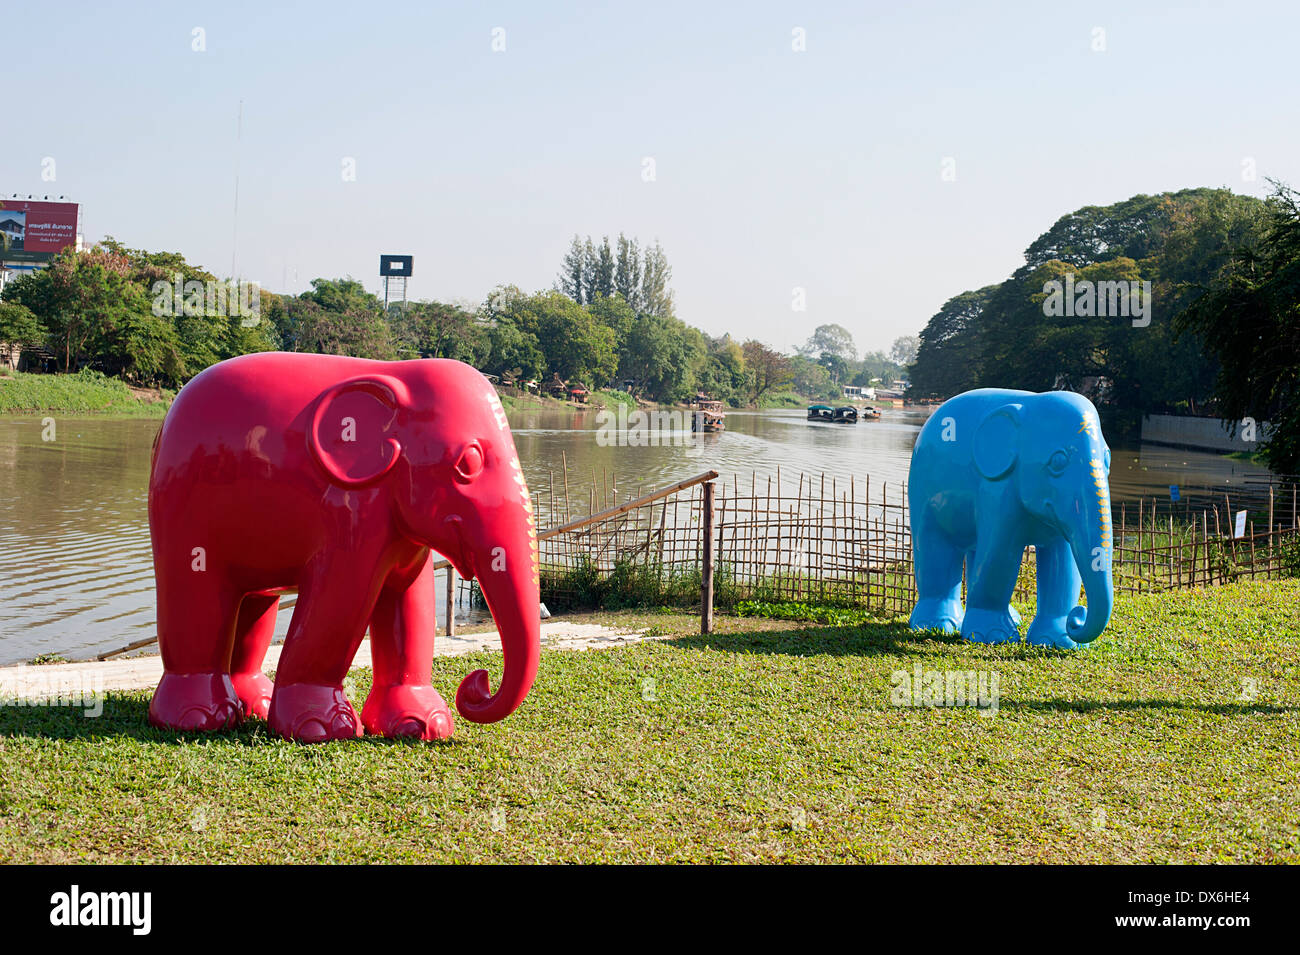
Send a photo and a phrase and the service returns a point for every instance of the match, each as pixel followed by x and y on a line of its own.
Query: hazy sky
pixel 774 169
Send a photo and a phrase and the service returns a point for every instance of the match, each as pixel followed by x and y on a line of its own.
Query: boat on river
pixel 821 413
pixel 847 415
pixel 870 414
pixel 708 417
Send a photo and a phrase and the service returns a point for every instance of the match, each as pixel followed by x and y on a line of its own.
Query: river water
pixel 75 571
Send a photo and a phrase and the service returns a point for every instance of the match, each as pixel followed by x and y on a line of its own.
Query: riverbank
pixel 87 392
pixel 601 398
pixel 1175 738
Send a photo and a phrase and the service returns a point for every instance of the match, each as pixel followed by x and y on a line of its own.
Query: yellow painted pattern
pixel 527 502
pixel 1103 498
pixel 499 412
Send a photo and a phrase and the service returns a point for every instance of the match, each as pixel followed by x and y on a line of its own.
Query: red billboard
pixel 36 231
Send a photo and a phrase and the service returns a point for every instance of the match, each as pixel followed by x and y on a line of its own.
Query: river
pixel 75 571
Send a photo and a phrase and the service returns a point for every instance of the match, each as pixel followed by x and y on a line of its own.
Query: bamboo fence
pixel 813 537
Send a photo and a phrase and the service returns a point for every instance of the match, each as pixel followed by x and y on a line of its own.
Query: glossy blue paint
pixel 995 471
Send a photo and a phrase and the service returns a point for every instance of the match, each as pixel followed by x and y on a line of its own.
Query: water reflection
pixel 75 569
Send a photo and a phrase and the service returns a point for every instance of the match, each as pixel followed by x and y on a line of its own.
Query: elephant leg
pixel 991 580
pixel 254 628
pixel 402 702
pixel 1058 595
pixel 938 581
pixel 196 622
pixel 329 621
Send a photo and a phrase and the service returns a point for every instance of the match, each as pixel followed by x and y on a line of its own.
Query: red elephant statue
pixel 338 478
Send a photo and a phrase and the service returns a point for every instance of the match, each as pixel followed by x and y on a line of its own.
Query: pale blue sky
pixel 775 169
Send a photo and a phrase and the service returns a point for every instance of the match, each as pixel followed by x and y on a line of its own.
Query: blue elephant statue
pixel 994 471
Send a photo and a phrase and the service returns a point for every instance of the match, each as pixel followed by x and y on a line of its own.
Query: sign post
pixel 395 270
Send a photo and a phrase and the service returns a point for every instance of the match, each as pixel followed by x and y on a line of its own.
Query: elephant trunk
pixel 507 575
pixel 1092 546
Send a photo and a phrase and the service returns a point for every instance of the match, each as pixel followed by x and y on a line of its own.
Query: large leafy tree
pixel 339 317
pixel 950 348
pixel 96 315
pixel 18 325
pixel 1250 318
pixel 1002 336
pixel 659 358
pixel 831 341
pixel 439 330
pixel 768 369
pixel 574 344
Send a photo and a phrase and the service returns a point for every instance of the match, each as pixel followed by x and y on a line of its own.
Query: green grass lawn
pixel 1175 738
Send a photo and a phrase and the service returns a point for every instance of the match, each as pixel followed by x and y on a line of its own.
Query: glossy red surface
pixel 338 478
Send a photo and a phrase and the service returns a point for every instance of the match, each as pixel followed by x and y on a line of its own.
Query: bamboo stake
pixel 706 570
pixel 565 460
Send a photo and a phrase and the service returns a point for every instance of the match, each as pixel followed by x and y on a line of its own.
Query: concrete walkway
pixel 63 680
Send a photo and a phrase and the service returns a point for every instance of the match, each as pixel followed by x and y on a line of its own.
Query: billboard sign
pixel 395 266
pixel 33 231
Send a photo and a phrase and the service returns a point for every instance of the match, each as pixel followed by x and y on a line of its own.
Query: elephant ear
pixel 351 429
pixel 997 440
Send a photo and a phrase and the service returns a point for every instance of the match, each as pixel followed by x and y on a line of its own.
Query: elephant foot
pixel 415 712
pixel 310 713
pixel 195 701
pixel 1051 632
pixel 990 626
pixel 254 692
pixel 936 613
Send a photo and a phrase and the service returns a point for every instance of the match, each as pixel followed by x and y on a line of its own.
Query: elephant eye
pixel 470 463
pixel 1058 462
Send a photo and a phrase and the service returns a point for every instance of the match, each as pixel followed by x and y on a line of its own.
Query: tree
pixel 616 314
pixel 724 373
pixel 656 297
pixel 438 330
pixel 574 344
pixel 640 277
pixel 832 340
pixel 19 326
pixel 1004 335
pixel 659 357
pixel 903 351
pixel 810 379
pixel 768 369
pixel 324 331
pixel 627 272
pixel 572 280
pixel 512 352
pixel 1250 318
pixel 342 296
pixel 78 298
pixel 602 279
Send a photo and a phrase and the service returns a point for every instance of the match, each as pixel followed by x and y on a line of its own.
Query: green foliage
pixel 612 399
pixel 1250 319
pixel 999 336
pixel 628 584
pixel 18 324
pixel 803 610
pixel 86 392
